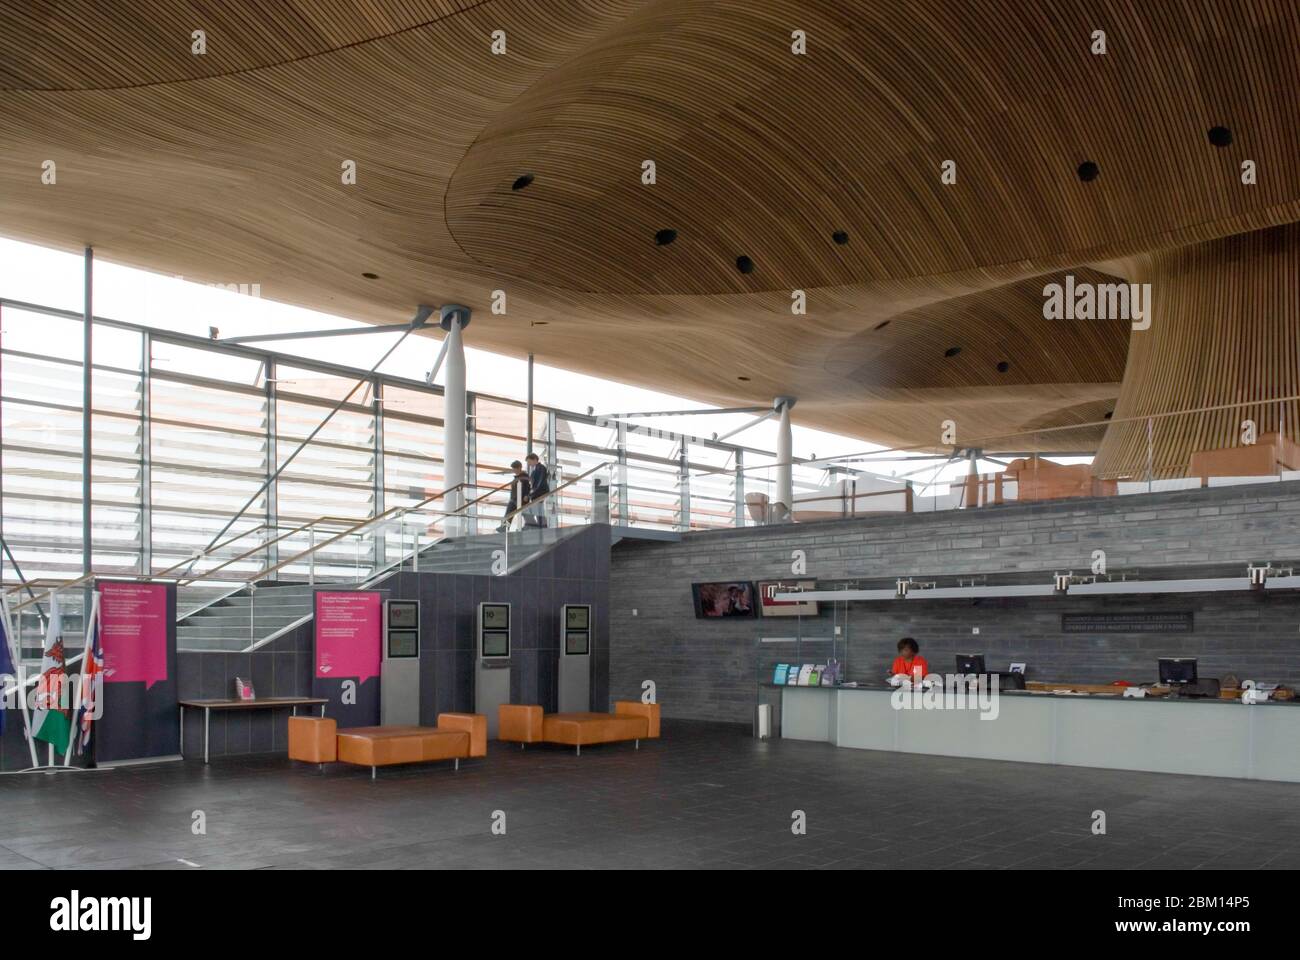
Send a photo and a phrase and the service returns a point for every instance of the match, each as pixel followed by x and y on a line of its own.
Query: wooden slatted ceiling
pixel 226 168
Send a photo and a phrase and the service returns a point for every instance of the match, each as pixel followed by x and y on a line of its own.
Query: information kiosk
pixel 575 658
pixel 492 667
pixel 399 673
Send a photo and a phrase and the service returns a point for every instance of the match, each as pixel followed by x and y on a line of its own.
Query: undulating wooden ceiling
pixel 226 167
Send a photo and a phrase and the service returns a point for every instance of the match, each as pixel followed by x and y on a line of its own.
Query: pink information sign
pixel 133 630
pixel 348 628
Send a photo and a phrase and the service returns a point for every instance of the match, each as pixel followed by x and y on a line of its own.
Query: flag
pixel 92 672
pixel 8 675
pixel 50 717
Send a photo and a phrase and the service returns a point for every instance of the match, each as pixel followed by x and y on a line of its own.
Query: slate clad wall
pixel 706 670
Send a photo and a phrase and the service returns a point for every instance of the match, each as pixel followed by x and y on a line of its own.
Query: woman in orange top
pixel 909 661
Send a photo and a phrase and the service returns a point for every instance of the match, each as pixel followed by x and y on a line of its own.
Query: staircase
pixel 476 554
pixel 246 617
pixel 243 618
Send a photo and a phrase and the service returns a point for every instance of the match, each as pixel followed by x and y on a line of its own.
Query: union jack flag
pixel 92 680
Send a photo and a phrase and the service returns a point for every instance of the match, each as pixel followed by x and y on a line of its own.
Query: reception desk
pixel 1212 738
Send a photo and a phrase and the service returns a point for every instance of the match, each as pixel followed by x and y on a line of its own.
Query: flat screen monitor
pixel 496 616
pixel 577 617
pixel 577 643
pixel 403 643
pixel 770 607
pixel 496 643
pixel 725 600
pixel 1174 670
pixel 968 663
pixel 403 614
pixel 1011 680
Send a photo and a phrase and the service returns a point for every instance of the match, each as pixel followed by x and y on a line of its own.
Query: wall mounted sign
pixel 1178 621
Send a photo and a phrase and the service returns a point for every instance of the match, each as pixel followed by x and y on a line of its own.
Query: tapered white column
pixel 784 501
pixel 454 319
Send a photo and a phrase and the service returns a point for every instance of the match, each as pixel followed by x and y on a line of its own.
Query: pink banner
pixel 133 631
pixel 348 628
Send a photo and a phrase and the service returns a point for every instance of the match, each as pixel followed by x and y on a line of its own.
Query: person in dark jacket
pixel 538 485
pixel 519 492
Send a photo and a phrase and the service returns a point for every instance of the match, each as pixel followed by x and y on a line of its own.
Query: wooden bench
pixel 457 735
pixel 525 724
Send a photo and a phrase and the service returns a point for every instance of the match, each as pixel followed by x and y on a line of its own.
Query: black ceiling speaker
pixel 1220 136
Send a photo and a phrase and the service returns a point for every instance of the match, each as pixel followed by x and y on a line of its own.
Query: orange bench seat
pixel 457 735
pixel 526 723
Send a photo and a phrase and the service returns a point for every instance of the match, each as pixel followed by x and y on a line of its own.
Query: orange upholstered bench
pixel 525 723
pixel 457 735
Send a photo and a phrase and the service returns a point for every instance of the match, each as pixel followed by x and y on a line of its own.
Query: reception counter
pixel 1213 738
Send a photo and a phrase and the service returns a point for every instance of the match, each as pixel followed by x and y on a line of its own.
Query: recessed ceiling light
pixel 665 237
pixel 1003 366
pixel 1088 171
pixel 840 237
pixel 371 276
pixel 952 351
pixel 744 264
pixel 1220 136
pixel 522 182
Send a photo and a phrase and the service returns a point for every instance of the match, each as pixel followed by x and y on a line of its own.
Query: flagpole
pixel 76 698
pixel 16 653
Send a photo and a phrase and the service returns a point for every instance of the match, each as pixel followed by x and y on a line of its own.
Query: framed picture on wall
pixel 771 607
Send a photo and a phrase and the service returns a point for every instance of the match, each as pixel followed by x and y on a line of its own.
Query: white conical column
pixel 453 444
pixel 784 505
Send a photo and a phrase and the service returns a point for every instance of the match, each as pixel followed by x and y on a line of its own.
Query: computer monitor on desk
pixel 1175 671
pixel 1011 680
pixel 968 663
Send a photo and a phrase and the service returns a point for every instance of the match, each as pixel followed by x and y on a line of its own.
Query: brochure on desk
pixel 806 674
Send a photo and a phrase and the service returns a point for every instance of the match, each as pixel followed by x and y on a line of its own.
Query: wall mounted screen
pixel 716 601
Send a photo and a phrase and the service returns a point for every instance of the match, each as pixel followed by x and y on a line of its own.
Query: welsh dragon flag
pixel 51 718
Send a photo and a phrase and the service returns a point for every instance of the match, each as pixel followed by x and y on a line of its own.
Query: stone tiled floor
pixel 704 796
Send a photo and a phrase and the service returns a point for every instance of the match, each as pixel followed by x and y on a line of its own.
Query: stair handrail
pixel 357 525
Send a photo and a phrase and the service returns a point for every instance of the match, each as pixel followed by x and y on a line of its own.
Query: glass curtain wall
pixel 187 432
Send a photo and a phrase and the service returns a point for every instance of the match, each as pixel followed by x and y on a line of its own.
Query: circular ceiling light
pixel 1089 171
pixel 1220 136
pixel 952 351
pixel 522 182
pixel 1003 366
pixel 665 237
pixel 744 264
pixel 840 237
